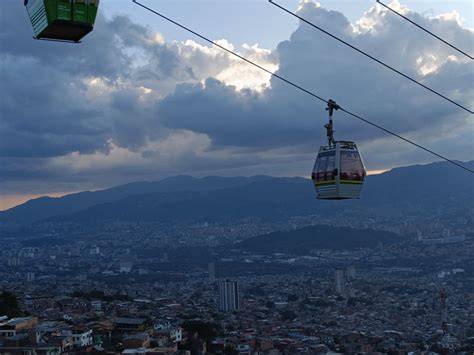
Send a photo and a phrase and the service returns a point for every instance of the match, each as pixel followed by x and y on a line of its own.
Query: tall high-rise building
pixel 228 295
pixel 14 261
pixel 351 273
pixel 419 235
pixel 30 277
pixel 212 272
pixel 340 282
pixel 344 281
pixel 444 312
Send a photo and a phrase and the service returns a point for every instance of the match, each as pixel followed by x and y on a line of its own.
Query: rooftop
pixel 135 321
pixel 15 321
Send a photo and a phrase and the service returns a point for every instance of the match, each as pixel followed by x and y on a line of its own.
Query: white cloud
pixel 303 3
pixel 449 16
pixel 242 75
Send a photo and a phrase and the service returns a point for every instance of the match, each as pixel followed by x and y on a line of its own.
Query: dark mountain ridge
pixel 435 186
pixel 45 207
pixel 270 199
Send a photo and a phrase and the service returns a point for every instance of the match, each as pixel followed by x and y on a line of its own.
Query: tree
pixel 292 298
pixel 230 350
pixel 270 304
pixel 205 330
pixel 9 305
pixel 288 315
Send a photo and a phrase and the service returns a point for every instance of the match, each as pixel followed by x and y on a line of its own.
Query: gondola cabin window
pixel 326 166
pixel 351 166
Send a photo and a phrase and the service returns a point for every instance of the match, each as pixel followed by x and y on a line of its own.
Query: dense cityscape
pixel 125 293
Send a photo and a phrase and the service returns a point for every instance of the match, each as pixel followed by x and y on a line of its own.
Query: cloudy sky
pixel 140 99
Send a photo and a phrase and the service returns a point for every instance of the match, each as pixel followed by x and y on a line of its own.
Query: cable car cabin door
pixel 325 173
pixel 351 171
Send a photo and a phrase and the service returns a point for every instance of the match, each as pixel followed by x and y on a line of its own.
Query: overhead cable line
pixel 370 56
pixel 426 30
pixel 301 88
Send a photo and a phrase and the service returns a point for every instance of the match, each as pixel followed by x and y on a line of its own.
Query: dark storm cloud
pixel 50 109
pixel 45 107
pixel 101 54
pixel 39 104
pixel 242 118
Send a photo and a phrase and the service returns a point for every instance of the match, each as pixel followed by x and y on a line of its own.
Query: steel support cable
pixel 301 88
pixel 370 56
pixel 426 30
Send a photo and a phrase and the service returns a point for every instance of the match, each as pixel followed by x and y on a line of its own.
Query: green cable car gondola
pixel 62 20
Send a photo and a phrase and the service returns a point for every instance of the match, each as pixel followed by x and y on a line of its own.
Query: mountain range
pixel 414 189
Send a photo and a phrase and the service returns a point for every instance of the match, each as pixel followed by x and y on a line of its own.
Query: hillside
pixel 302 241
